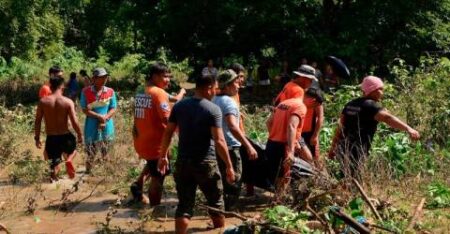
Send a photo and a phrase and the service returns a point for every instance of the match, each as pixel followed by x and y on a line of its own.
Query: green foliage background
pixel 367 34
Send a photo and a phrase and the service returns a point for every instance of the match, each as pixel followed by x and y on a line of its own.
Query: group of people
pixel 211 132
pixel 98 103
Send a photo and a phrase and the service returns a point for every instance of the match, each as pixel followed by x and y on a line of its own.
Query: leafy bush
pixel 439 195
pixel 28 170
pixel 284 217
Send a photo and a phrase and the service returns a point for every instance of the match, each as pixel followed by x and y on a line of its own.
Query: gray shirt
pixel 228 107
pixel 194 118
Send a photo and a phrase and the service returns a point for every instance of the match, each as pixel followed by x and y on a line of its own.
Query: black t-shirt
pixel 194 118
pixel 359 122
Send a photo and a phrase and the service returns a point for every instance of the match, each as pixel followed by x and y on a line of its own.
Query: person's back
pixel 56 109
pixel 359 121
pixel 194 118
pixel 281 116
pixel 151 106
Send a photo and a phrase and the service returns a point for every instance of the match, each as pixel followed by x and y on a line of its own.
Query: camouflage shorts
pixel 188 176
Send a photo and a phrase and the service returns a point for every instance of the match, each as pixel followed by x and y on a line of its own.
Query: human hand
pixel 252 154
pixel 289 159
pixel 182 91
pixel 38 143
pixel 102 119
pixel 230 175
pixel 314 140
pixel 163 165
pixel 79 139
pixel 413 134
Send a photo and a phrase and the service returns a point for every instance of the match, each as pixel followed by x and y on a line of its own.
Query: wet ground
pixel 87 210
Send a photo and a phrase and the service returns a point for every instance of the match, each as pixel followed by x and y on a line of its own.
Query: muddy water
pixel 89 215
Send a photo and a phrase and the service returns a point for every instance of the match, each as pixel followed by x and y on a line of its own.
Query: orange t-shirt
pixel 311 105
pixel 150 108
pixel 281 116
pixel 45 91
pixel 290 90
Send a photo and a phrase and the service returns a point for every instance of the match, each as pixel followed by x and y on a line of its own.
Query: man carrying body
pixel 304 77
pixel 358 124
pixel 285 129
pixel 229 84
pixel 151 114
pixel 200 133
pixel 56 111
pixel 99 104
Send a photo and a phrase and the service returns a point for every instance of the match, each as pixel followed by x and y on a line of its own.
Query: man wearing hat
pixel 303 78
pixel 99 104
pixel 229 83
pixel 357 126
pixel 285 129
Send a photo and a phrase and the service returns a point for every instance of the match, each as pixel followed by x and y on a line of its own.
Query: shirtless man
pixel 56 111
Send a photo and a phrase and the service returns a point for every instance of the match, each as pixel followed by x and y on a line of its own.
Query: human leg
pixel 186 186
pixel 231 192
pixel 156 183
pixel 54 153
pixel 208 177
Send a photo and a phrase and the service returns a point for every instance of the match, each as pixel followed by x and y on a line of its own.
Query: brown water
pixel 88 216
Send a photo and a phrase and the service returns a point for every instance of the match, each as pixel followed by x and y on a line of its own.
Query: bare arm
pixel 178 97
pixel 163 161
pixel 319 121
pixel 37 125
pixel 294 121
pixel 110 113
pixel 74 121
pixel 394 122
pixel 269 121
pixel 221 147
pixel 239 135
pixel 92 114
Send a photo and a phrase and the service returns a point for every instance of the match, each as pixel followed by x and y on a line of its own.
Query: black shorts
pixel 152 166
pixel 276 153
pixel 56 145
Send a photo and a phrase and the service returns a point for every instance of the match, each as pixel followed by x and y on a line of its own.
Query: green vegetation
pixel 404 41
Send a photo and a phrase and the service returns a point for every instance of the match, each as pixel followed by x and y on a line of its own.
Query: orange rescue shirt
pixel 290 90
pixel 281 116
pixel 311 105
pixel 45 91
pixel 150 108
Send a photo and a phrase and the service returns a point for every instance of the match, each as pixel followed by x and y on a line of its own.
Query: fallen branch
pixel 226 213
pixel 381 228
pixel 322 221
pixel 350 221
pixel 76 203
pixel 243 218
pixel 366 199
pixel 416 214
